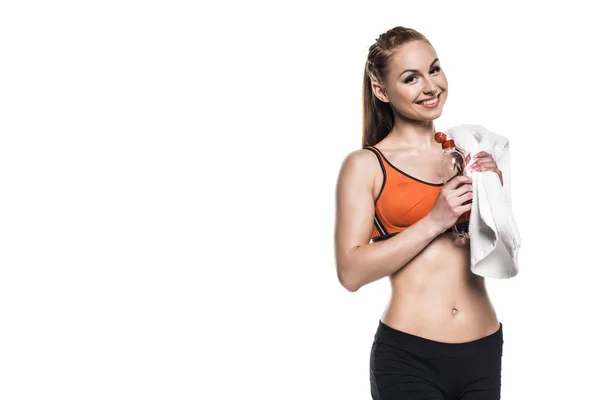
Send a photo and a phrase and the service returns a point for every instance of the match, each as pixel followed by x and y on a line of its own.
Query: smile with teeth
pixel 430 103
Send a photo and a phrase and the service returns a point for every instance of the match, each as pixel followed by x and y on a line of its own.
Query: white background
pixel 167 176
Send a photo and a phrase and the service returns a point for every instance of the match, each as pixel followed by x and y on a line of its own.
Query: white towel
pixel 495 239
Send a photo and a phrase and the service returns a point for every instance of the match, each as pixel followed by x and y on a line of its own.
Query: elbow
pixel 351 286
pixel 347 279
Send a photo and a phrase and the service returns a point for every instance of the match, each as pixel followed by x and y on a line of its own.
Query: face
pixel 406 90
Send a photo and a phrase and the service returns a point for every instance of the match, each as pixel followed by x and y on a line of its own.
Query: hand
pixel 454 200
pixel 484 162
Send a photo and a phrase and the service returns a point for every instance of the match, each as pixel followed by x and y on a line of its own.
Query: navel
pixel 454 311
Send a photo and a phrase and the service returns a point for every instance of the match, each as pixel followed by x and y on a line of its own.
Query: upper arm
pixel 354 202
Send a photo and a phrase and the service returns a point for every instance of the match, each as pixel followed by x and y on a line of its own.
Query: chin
pixel 430 116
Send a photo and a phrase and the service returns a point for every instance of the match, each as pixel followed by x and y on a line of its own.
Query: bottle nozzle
pixel 448 144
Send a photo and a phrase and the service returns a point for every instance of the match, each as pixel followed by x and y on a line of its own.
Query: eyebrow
pixel 414 70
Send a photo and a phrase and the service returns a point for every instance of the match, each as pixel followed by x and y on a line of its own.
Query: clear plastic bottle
pixel 452 164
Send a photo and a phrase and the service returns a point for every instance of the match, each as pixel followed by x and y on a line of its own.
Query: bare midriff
pixel 436 296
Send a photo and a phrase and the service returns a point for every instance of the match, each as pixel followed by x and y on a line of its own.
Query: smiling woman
pixel 439 336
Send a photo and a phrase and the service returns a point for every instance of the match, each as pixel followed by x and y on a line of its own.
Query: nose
pixel 428 86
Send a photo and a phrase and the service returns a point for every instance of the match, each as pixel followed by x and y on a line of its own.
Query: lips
pixel 430 103
pixel 429 100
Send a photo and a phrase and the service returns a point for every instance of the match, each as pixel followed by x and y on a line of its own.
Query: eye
pixel 434 70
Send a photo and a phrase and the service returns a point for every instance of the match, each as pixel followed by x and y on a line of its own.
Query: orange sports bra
pixel 402 200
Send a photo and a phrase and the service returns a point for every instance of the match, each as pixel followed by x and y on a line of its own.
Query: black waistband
pixel 417 344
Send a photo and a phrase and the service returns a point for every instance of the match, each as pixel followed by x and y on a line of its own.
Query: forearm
pixel 370 262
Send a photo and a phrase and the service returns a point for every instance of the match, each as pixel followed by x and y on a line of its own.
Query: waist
pixel 437 295
pixel 442 318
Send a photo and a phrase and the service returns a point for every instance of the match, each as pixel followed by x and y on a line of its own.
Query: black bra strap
pixel 378 154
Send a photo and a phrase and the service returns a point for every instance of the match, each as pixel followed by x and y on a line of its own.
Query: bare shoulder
pixel 359 164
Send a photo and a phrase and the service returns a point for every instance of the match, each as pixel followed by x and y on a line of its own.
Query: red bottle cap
pixel 439 137
pixel 448 143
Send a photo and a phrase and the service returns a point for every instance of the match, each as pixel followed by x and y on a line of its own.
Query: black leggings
pixel 409 367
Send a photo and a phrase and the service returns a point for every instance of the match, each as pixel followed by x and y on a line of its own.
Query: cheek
pixel 407 94
pixel 404 99
pixel 442 81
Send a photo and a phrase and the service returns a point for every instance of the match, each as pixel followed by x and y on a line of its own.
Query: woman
pixel 439 336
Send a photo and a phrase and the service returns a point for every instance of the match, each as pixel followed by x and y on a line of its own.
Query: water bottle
pixel 453 164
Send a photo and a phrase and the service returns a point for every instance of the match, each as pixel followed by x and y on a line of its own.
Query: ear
pixel 379 91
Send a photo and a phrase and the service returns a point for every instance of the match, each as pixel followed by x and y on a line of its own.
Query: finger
pixel 482 154
pixel 463 209
pixel 478 160
pixel 483 165
pixel 495 170
pixel 467 197
pixel 483 159
pixel 489 164
pixel 457 181
pixel 466 188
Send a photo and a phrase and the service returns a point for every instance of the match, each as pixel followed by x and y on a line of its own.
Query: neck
pixel 413 133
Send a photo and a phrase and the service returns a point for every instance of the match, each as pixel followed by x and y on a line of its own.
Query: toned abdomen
pixel 436 295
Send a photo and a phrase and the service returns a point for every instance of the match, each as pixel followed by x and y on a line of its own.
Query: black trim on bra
pixel 380 228
pixel 461 226
pixel 382 170
pixel 405 174
pixel 383 237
